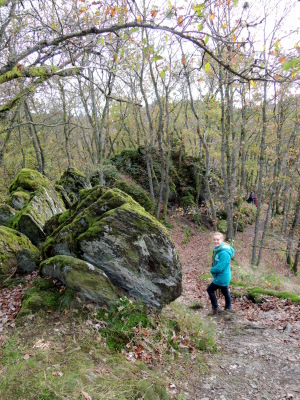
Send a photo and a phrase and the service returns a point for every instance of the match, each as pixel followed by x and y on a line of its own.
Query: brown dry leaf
pixel 86 395
pixel 26 357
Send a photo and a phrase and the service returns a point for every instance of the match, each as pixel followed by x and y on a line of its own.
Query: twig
pixel 10 276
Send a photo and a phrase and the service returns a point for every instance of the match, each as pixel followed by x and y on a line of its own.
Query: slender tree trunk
pixel 225 170
pixel 264 231
pixel 297 256
pixel 34 139
pixel 8 133
pixel 293 229
pixel 261 167
pixel 66 125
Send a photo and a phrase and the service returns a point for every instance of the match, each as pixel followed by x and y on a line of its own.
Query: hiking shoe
pixel 215 311
pixel 228 311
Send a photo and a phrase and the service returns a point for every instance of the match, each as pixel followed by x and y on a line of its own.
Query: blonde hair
pixel 219 234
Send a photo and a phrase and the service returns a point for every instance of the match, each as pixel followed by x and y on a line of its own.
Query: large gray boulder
pixel 42 204
pixel 111 231
pixel 82 277
pixel 16 251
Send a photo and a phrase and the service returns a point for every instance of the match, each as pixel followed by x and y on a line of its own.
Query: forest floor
pixel 258 345
pixel 258 353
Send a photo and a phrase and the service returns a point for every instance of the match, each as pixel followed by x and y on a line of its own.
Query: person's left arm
pixel 224 260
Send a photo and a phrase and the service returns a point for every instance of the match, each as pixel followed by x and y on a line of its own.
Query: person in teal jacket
pixel 221 273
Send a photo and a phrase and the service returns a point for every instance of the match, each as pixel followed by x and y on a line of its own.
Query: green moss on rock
pixel 222 226
pixel 137 193
pixel 16 250
pixel 113 232
pixel 187 201
pixel 19 199
pixel 6 214
pixel 73 181
pixel 29 180
pixel 81 277
pixel 43 295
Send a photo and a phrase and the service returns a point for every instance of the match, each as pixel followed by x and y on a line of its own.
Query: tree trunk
pixel 34 138
pixel 261 167
pixel 293 230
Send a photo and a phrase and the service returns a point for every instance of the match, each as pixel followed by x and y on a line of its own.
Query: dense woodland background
pixel 212 84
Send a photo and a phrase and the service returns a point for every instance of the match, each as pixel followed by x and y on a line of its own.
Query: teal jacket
pixel 220 269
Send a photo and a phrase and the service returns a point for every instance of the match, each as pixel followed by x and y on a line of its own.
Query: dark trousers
pixel 225 291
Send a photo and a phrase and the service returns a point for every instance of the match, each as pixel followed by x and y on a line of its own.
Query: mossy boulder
pixel 6 214
pixel 16 250
pixel 40 202
pixel 42 296
pixel 110 175
pixel 28 180
pixel 82 277
pixel 73 181
pixel 32 218
pixel 223 226
pixel 19 199
pixel 114 233
pixel 187 201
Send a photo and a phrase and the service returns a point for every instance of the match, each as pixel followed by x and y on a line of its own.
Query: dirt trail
pixel 257 358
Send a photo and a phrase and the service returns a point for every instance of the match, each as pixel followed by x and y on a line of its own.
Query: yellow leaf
pixel 294 75
pixel 153 13
pixel 282 59
pixel 253 83
pixel 207 67
pixel 139 18
pixel 212 16
pixel 233 38
pixel 183 61
pixel 277 77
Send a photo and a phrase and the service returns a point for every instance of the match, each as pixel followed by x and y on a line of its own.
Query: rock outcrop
pixel 111 231
pixel 72 182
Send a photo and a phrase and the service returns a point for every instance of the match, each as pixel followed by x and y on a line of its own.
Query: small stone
pixel 288 327
pixel 207 386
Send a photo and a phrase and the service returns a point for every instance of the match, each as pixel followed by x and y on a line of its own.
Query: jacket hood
pixel 224 247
